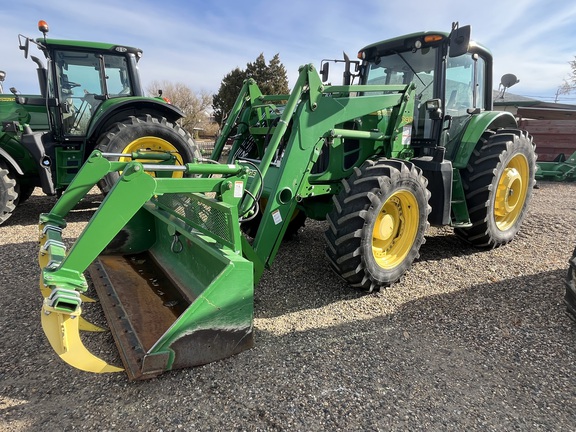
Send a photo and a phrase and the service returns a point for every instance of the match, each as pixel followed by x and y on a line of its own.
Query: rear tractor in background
pixel 90 98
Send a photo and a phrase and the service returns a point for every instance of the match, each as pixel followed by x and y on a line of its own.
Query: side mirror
pixel 434 108
pixel 347 73
pixel 324 71
pixel 459 40
pixel 24 45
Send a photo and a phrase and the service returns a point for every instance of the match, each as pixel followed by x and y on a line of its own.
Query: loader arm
pixel 314 118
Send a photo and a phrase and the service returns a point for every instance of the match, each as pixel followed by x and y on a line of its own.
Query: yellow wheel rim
pixel 511 192
pixel 154 145
pixel 395 229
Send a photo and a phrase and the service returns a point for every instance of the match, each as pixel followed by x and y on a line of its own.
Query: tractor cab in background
pixel 90 97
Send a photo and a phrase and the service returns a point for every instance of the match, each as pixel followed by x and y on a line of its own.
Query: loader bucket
pixel 165 258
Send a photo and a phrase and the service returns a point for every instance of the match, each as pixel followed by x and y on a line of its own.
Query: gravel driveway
pixel 468 340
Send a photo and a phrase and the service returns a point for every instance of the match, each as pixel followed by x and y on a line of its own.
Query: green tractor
pixel 174 261
pixel 90 97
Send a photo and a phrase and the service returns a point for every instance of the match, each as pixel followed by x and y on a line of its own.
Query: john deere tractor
pixel 174 261
pixel 90 97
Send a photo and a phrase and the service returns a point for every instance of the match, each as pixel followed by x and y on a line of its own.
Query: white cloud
pixel 198 42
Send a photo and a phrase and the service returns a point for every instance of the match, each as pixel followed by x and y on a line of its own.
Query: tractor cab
pixel 79 78
pixel 452 77
pixel 90 98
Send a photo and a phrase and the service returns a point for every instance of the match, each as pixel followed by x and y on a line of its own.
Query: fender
pixel 119 109
pixel 476 127
pixel 6 156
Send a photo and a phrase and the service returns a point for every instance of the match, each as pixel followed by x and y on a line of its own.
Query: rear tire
pixel 498 183
pixel 378 223
pixel 8 193
pixel 570 282
pixel 146 133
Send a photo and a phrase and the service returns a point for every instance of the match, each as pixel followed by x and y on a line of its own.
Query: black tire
pixel 498 184
pixel 378 223
pixel 24 192
pixel 8 193
pixel 142 133
pixel 570 282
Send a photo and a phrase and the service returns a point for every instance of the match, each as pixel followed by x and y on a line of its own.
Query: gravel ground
pixel 468 340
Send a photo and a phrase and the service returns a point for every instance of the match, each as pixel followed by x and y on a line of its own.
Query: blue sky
pixel 199 42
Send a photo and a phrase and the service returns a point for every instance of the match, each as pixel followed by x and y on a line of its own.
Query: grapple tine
pixel 86 299
pixel 86 325
pixel 62 331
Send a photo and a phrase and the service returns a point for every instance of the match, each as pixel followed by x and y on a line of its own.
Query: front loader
pixel 175 260
pixel 90 97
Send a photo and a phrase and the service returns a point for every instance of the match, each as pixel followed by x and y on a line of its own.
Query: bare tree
pixel 196 105
pixel 569 85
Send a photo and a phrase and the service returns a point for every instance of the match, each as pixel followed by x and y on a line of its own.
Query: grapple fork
pixel 166 259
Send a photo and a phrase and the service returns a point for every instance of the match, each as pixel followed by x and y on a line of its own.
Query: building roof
pixel 517 101
pixel 512 99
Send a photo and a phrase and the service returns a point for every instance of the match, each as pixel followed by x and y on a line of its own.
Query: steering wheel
pixel 71 84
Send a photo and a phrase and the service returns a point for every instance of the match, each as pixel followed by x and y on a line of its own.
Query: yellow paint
pixel 395 229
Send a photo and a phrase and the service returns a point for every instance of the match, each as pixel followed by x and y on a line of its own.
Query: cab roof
pixel 100 46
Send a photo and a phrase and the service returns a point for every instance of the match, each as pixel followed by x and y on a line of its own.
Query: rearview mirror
pixel 24 46
pixel 459 40
pixel 324 71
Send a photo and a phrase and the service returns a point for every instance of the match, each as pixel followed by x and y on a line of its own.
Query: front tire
pixel 378 223
pixel 146 133
pixel 498 184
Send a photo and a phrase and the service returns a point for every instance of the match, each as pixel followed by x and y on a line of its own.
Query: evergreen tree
pixel 278 75
pixel 271 79
pixel 223 101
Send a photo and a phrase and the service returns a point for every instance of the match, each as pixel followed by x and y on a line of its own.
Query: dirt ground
pixel 468 340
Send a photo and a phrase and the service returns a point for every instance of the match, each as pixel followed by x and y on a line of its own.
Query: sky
pixel 198 42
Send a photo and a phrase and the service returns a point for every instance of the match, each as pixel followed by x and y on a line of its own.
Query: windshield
pixel 404 68
pixel 84 80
